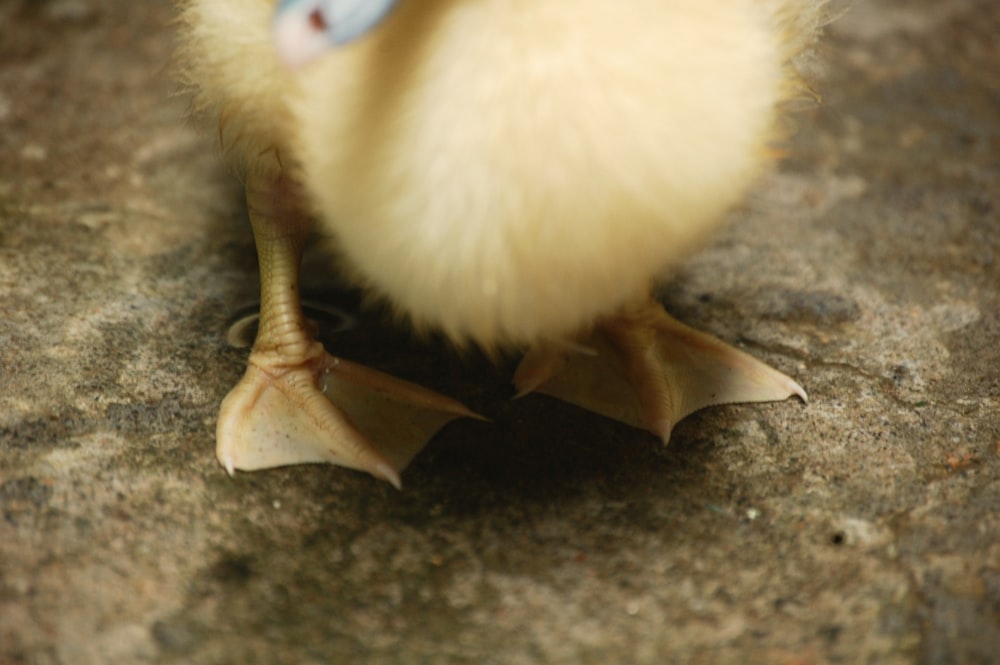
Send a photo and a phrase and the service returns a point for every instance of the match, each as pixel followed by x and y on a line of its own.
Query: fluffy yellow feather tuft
pixel 510 171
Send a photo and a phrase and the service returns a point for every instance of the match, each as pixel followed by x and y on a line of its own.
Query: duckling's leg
pixel 648 370
pixel 297 403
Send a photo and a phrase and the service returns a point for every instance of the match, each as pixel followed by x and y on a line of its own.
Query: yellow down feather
pixel 509 171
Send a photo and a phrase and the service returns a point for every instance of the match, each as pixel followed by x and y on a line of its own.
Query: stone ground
pixel 863 527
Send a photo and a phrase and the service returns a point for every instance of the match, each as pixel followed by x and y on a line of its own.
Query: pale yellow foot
pixel 298 404
pixel 329 410
pixel 648 370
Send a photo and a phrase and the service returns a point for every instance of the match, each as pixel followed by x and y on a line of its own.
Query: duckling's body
pixel 509 173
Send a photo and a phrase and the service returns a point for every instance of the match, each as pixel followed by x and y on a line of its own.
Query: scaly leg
pixel 297 403
pixel 648 370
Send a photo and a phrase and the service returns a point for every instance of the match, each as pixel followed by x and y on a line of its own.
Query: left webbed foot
pixel 328 410
pixel 296 403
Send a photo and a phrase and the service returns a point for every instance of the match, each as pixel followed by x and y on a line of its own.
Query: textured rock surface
pixel 862 528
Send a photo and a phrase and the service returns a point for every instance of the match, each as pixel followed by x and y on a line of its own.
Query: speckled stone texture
pixel 863 527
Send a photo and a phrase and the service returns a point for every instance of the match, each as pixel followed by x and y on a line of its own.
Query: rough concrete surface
pixel 863 527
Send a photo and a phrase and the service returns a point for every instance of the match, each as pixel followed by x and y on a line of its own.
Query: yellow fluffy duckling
pixel 513 173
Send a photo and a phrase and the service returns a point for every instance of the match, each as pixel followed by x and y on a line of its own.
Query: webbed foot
pixel 328 410
pixel 648 370
pixel 297 403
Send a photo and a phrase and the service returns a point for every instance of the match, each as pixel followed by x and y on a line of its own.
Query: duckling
pixel 513 174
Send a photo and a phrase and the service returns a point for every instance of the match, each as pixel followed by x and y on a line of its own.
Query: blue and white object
pixel 305 29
